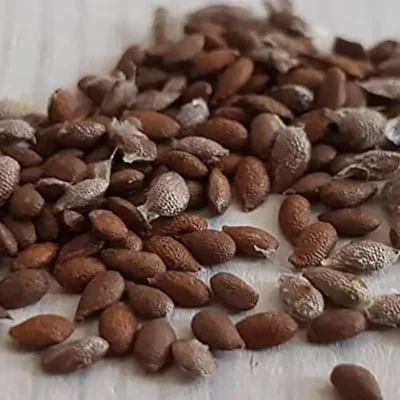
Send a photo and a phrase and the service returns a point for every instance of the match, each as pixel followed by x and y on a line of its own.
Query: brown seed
pixel 256 84
pixel 252 183
pixel 153 345
pixel 197 192
pixel 355 96
pixel 309 185
pixel 232 112
pixel 302 301
pixel 179 225
pixel 233 292
pixel 332 92
pixel 336 326
pixel 107 225
pixel 264 330
pixel 385 310
pixel 233 79
pixel 184 289
pixel 315 124
pixel 212 62
pixel 355 382
pixel 148 302
pixel 229 163
pixel 83 245
pixel 290 156
pixel 197 90
pixel 185 50
pixel 294 216
pixel 8 242
pixel 75 355
pixel 341 161
pixel 75 221
pixel 133 54
pixel 173 253
pixel 342 288
pixel 26 202
pixel 66 168
pixel 176 83
pixel 38 256
pixel 42 331
pixel 23 230
pixel 346 193
pixel 25 156
pixel 215 329
pixel 81 134
pixel 230 134
pixel 296 97
pixel 193 357
pixel 74 274
pixel 130 242
pixel 124 181
pixel 219 191
pixel 321 156
pixel 264 129
pixel 309 77
pixel 155 100
pixel 133 265
pixel 252 241
pixel 314 244
pixel 30 175
pixel 23 288
pixel 46 224
pixel 356 221
pixel 155 125
pixel 104 289
pixel 210 247
pixel 61 106
pixel 118 326
pixel 186 164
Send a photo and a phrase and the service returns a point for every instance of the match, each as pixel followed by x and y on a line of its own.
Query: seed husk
pixel 9 177
pixel 385 310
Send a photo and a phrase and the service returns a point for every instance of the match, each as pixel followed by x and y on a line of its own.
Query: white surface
pixel 45 44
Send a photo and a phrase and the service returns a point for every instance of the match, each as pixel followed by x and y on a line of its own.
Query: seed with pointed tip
pixel 26 202
pixel 39 255
pixel 219 191
pixel 185 164
pixel 8 242
pixel 309 185
pixel 81 134
pixel 179 225
pixel 385 310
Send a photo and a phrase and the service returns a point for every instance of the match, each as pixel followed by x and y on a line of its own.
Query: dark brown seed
pixel 219 191
pixel 107 225
pixel 355 96
pixel 104 289
pixel 74 274
pixel 383 50
pixel 294 216
pixel 252 183
pixel 315 124
pixel 229 163
pixel 185 50
pixel 215 329
pixel 118 326
pixel 23 288
pixel 185 290
pixel 82 134
pixel 335 326
pixel 31 175
pixel 179 225
pixel 153 345
pixel 197 90
pixel 46 224
pixel 309 185
pixel 332 92
pixel 8 242
pixel 130 242
pixel 264 330
pixel 321 156
pixel 26 202
pixel 66 168
pixel 346 193
pixel 72 356
pixel 75 221
pixel 38 256
pixel 232 112
pixel 256 84
pixel 149 302
pixel 212 62
pixel 314 244
pixel 305 76
pixel 42 331
pixel 186 164
pixel 355 382
pixel 132 55
pixel 197 194
pixel 25 156
pixel 61 106
pixel 210 247
pixel 298 98
pixel 233 292
pixel 136 266
pixel 341 161
pixel 23 230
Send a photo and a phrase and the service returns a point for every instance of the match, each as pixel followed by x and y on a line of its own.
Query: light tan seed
pixel 385 310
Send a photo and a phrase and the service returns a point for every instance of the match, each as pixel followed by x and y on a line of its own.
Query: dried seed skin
pixel 385 310
pixel 302 301
pixel 75 355
pixel 9 177
pixel 16 130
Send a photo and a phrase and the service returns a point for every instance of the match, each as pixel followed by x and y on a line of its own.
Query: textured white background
pixel 45 44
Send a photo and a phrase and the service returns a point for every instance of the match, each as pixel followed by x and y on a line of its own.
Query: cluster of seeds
pixel 99 197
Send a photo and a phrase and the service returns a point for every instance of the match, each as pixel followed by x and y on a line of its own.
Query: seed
pixel 42 331
pixel 39 255
pixel 309 185
pixel 179 225
pixel 228 133
pixel 314 244
pixel 212 62
pixel 104 289
pixel 315 124
pixel 233 292
pixel 118 326
pixel 215 329
pixel 194 112
pixel 153 345
pixel 168 196
pixel 107 225
pixel 234 113
pixel 362 256
pixel 133 265
pixel 387 87
pixel 210 247
pixel 186 164
pixel 184 289
pixel 16 130
pixel 74 274
pixel 332 92
pixel 149 302
pixel 72 356
pixel 342 288
pixel 25 156
pixel 9 177
pixel 294 216
pixel 23 231
pixel 26 202
pixel 252 241
pixel 302 301
pixel 252 183
pixel 264 330
pixel 346 193
pixel 23 288
pixel 46 225
pixel 385 310
pixel 229 163
pixel 296 97
pixel 289 157
pixel 219 191
pixel 193 357
pixel 185 50
pixel 75 221
pixel 336 326
pixel 354 381
pixel 126 181
pixel 130 242
pixel 351 221
pixel 30 175
pixel 322 156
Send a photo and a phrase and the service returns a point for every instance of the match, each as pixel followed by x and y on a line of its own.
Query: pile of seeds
pixel 102 198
